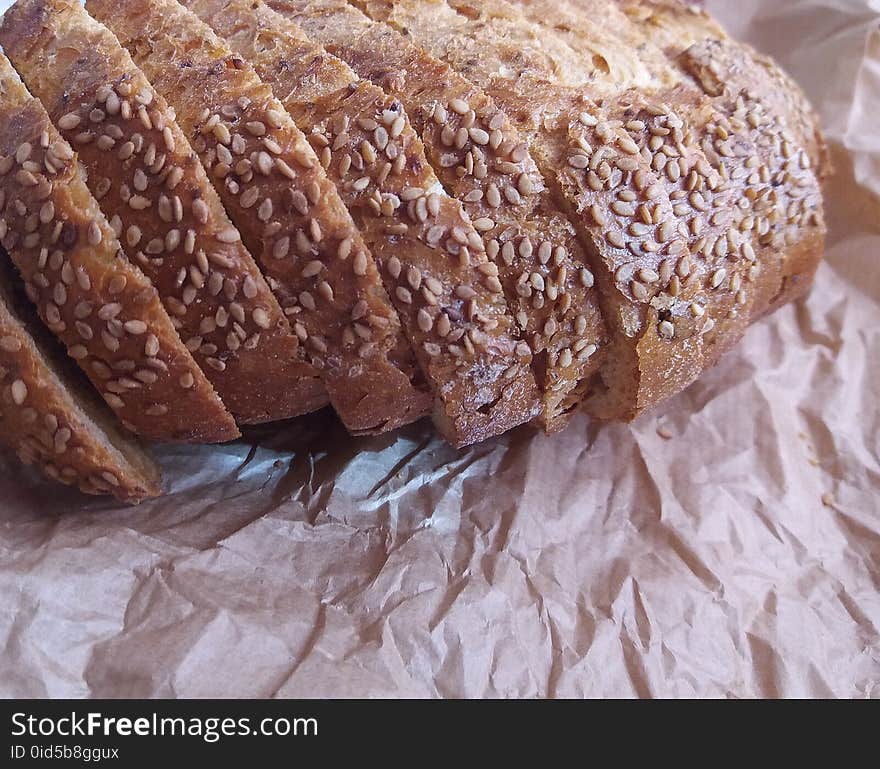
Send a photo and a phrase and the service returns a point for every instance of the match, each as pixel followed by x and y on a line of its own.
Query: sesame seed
pixel 95 236
pixel 478 136
pixel 628 146
pixel 639 291
pixel 69 121
pixel 264 213
pixel 200 210
pixel 249 197
pixel 228 235
pixel 281 248
pixel 285 169
pixel 264 163
pixel 19 392
pixel 275 118
pixel 270 144
pixel 424 320
pixel 615 239
pixel 459 106
pixel 394 267
pixel 359 263
pixel 718 277
pixel 221 132
pixel 313 268
pixel 666 329
pixel 623 209
pixel 261 318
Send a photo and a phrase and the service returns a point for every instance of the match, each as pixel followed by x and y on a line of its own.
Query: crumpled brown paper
pixel 739 557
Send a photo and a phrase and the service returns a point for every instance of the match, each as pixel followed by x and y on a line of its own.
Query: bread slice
pixel 51 419
pixel 102 307
pixel 483 162
pixel 431 259
pixel 289 213
pixel 153 188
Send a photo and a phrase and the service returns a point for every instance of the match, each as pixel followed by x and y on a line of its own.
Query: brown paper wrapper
pixel 727 545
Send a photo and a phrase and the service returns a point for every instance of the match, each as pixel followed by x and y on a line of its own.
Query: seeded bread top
pixel 153 187
pixel 763 137
pixel 706 175
pixel 703 152
pixel 432 260
pixel 690 35
pixel 102 307
pixel 620 204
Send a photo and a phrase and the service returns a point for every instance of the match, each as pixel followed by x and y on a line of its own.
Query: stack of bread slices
pixel 216 213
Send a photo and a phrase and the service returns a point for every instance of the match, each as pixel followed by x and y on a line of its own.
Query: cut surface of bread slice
pixel 152 186
pixel 289 213
pixel 431 258
pixel 482 161
pixel 50 419
pixel 100 305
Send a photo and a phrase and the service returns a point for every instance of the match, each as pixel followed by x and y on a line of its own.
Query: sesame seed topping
pixel 228 235
pixel 261 318
pixel 459 106
pixel 69 121
pixel 313 268
pixel 19 392
pixel 95 235
pixel 718 277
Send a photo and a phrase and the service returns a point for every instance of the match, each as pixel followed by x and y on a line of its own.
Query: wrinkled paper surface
pixel 740 556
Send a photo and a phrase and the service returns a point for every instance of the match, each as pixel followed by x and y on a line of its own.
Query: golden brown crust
pixel 432 260
pixel 484 162
pixel 154 189
pixel 48 424
pixel 288 212
pixel 102 307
